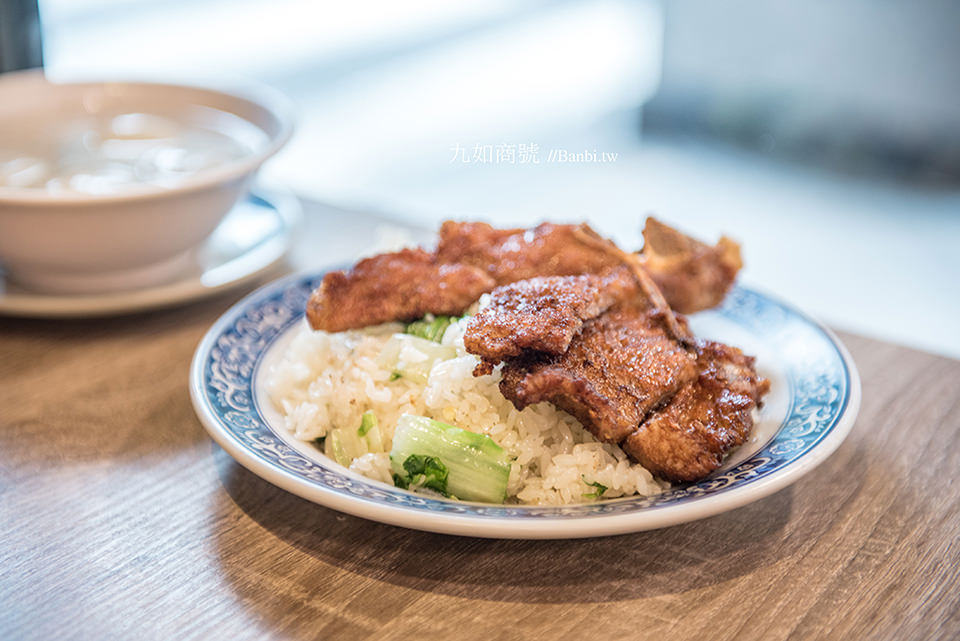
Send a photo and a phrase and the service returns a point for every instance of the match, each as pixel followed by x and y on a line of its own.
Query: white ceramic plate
pixel 250 241
pixel 814 399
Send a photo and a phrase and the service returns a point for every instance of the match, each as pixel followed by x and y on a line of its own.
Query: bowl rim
pixel 254 94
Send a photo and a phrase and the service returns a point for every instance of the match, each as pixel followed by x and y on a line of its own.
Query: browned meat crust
pixel 509 255
pixel 403 285
pixel 687 439
pixel 473 258
pixel 543 314
pixel 621 366
pixel 692 275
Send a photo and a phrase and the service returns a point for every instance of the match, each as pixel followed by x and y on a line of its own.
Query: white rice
pixel 327 381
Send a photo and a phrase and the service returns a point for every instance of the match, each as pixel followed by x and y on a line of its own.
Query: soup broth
pixel 108 153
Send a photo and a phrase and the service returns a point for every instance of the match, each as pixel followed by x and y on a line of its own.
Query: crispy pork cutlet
pixel 543 314
pixel 509 255
pixel 621 373
pixel 473 258
pixel 692 275
pixel 403 285
pixel 688 438
pixel 619 367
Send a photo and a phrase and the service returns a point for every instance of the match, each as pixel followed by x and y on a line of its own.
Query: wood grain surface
pixel 121 519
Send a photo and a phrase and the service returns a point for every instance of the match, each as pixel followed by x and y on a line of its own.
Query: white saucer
pixel 252 240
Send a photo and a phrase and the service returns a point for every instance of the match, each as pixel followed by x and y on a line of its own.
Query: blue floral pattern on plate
pixel 818 372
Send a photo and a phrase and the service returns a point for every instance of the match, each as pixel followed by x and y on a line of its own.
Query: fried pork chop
pixel 473 258
pixel 597 348
pixel 509 255
pixel 688 438
pixel 692 275
pixel 543 314
pixel 403 285
pixel 617 369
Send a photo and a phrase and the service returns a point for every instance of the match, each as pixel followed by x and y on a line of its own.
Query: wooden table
pixel 121 519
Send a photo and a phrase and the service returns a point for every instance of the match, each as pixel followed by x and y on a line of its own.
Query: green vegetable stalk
pixel 391 357
pixel 477 469
pixel 346 444
pixel 430 327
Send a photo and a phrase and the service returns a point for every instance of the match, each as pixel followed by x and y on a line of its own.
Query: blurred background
pixel 824 135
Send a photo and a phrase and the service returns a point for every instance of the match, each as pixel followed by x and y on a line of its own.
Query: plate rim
pixel 543 527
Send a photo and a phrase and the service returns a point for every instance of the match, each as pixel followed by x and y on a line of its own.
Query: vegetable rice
pixel 327 381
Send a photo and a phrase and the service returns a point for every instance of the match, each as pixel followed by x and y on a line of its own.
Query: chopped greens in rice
pixel 327 381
